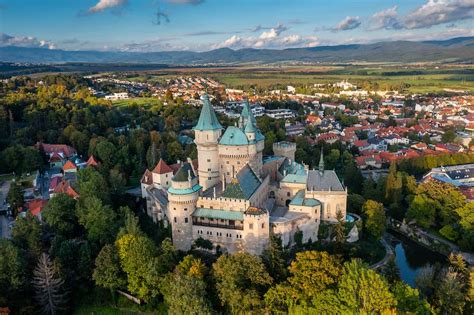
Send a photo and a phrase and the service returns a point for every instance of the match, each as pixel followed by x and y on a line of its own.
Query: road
pixel 5 231
pixel 388 254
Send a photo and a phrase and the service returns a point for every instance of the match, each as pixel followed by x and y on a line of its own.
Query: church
pixel 234 196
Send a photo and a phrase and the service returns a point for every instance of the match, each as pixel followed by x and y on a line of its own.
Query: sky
pixel 201 25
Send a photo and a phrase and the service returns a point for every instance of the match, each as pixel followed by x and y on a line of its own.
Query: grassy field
pixel 146 102
pixel 419 78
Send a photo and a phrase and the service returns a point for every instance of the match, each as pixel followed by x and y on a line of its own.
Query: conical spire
pixel 247 113
pixel 250 127
pixel 207 119
pixel 321 162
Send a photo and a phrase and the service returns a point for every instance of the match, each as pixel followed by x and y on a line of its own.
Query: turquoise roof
pixel 259 136
pixel 249 127
pixel 207 118
pixel 300 200
pixel 295 178
pixel 182 175
pixel 234 136
pixel 218 214
pixel 247 113
pixel 243 186
pixel 292 167
pixel 185 191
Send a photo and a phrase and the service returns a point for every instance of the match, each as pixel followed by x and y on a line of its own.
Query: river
pixel 411 257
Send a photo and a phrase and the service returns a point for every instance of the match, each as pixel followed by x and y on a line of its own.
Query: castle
pixel 235 197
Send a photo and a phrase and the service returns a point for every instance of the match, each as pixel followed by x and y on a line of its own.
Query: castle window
pixel 209 160
pixel 209 178
pixel 167 183
pixel 251 226
pixel 175 220
pixel 263 225
pixel 226 162
pixel 208 169
pixel 185 220
pixel 238 162
pixel 288 194
pixel 185 209
pixel 174 208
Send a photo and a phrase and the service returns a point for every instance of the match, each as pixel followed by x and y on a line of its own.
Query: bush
pixel 449 232
pixel 202 243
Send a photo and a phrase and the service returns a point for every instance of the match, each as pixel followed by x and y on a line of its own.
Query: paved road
pixel 5 231
pixel 388 254
pixel 4 189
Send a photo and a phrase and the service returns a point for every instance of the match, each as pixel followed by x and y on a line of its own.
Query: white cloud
pixel 349 23
pixel 25 41
pixel 433 12
pixel 106 4
pixel 436 12
pixel 385 19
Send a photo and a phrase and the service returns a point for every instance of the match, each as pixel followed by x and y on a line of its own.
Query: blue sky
pixel 157 25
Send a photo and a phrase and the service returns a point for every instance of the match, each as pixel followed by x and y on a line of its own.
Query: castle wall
pixel 287 192
pixel 256 233
pixel 208 157
pixel 162 181
pixel 332 202
pixel 180 208
pixel 229 240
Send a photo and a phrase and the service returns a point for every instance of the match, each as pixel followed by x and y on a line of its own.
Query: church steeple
pixel 207 118
pixel 321 162
pixel 247 114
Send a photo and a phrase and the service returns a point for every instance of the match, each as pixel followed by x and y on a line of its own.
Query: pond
pixel 411 257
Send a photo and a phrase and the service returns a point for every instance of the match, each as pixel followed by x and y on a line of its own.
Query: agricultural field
pixel 409 79
pixel 146 102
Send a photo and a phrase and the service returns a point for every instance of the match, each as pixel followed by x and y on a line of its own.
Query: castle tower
pixel 182 196
pixel 285 149
pixel 207 133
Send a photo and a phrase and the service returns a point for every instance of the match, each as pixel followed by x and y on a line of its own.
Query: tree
pixel 339 232
pixel 107 273
pixel 48 286
pixel 15 197
pixel 99 220
pixel 93 184
pixel 409 301
pixel 355 203
pixel 60 214
pixel 448 136
pixel 375 220
pixel 117 182
pixel 241 279
pixel 362 290
pixel 12 268
pixel 393 186
pixel 136 254
pixel 274 258
pixel 27 234
pixel 450 294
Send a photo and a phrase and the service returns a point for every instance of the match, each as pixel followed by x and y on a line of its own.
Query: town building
pixel 234 196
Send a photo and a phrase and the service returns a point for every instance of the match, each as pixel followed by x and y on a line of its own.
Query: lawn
pixel 145 102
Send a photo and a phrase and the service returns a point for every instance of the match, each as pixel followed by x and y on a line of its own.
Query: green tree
pixel 241 280
pixel 93 184
pixel 339 231
pixel 12 268
pixel 375 220
pixel 27 234
pixel 274 258
pixel 15 197
pixel 107 273
pixel 185 294
pixel 98 219
pixel 60 214
pixel 409 300
pixel 355 203
pixel 136 253
pixel 363 291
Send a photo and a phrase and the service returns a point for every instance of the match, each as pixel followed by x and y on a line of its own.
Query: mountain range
pixel 460 49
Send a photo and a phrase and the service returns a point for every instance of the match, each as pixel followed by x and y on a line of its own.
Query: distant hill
pixel 459 49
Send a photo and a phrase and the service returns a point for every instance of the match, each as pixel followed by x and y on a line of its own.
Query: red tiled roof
pixel 69 166
pixel 67 150
pixel 91 161
pixel 35 206
pixel 361 143
pixel 65 188
pixel 147 178
pixel 54 182
pixel 162 168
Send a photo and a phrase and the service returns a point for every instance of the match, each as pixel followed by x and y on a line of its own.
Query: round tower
pixel 182 198
pixel 207 133
pixel 285 149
